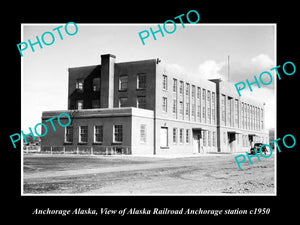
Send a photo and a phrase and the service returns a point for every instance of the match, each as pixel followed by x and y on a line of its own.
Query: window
pixel 198 111
pixel 118 133
pixel 143 133
pixel 164 104
pixel 163 137
pixel 141 81
pixel 214 139
pixel 181 87
pixel 203 104
pixel 193 109
pixel 262 118
pixel 213 107
pixel 175 85
pixel 123 83
pixel 193 91
pixel 98 131
pixel 208 107
pixel 79 104
pixel 174 135
pixel 79 85
pixel 165 82
pixel 69 134
pixel 181 136
pixel 198 93
pixel 122 101
pixel 95 104
pixel 181 108
pixel 96 84
pixel 83 134
pixel 209 138
pixel 236 113
pixel 174 108
pixel 187 89
pixel 242 114
pixel 187 136
pixel 141 102
pixel 204 138
pixel 223 118
pixel 187 109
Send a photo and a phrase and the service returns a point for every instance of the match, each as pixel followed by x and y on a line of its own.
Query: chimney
pixel 107 80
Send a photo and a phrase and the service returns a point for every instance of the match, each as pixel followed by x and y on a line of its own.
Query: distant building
pixel 143 108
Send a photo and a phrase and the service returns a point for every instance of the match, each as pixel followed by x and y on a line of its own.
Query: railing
pixel 87 150
pixel 31 148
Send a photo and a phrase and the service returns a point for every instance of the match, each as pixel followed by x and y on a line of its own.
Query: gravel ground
pixel 128 175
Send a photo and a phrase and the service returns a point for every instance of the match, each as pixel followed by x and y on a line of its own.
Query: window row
pixel 239 114
pixel 79 86
pixel 181 136
pixel 204 110
pixel 141 102
pixel 80 104
pixel 123 102
pixel 97 134
pixel 141 82
pixel 117 136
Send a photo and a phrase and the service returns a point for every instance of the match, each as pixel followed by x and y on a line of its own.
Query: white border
pixel 151 24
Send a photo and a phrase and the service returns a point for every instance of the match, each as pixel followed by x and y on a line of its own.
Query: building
pixel 145 108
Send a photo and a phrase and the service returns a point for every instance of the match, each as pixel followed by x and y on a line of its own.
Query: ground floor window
pixel 187 137
pixel 204 138
pixel 181 136
pixel 98 134
pixel 174 135
pixel 83 134
pixel 69 134
pixel 118 133
pixel 143 133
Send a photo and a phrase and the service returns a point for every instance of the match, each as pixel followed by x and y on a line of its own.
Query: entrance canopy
pixel 199 129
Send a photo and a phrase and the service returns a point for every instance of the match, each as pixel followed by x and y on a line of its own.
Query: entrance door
pixel 231 141
pixel 197 141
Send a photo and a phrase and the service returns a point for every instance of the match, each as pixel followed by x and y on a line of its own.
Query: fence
pixel 87 150
pixel 31 148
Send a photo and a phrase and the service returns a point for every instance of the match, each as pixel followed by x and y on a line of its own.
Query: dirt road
pixel 211 174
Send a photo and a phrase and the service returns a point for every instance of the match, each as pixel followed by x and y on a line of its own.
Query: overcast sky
pixel 198 50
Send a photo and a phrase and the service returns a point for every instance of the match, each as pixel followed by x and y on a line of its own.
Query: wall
pixel 132 69
pixel 89 118
pixel 87 73
pixel 145 117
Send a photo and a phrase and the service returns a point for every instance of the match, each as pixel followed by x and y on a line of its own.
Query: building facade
pixel 145 108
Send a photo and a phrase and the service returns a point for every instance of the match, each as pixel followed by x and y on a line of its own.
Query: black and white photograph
pixel 166 118
pixel 131 112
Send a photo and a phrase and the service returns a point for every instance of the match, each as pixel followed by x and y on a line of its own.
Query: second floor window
pixel 164 104
pixel 123 83
pixel 165 82
pixel 141 81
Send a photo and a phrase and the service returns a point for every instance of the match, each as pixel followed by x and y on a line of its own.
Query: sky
pixel 198 50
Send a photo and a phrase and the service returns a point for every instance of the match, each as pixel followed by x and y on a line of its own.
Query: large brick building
pixel 144 108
